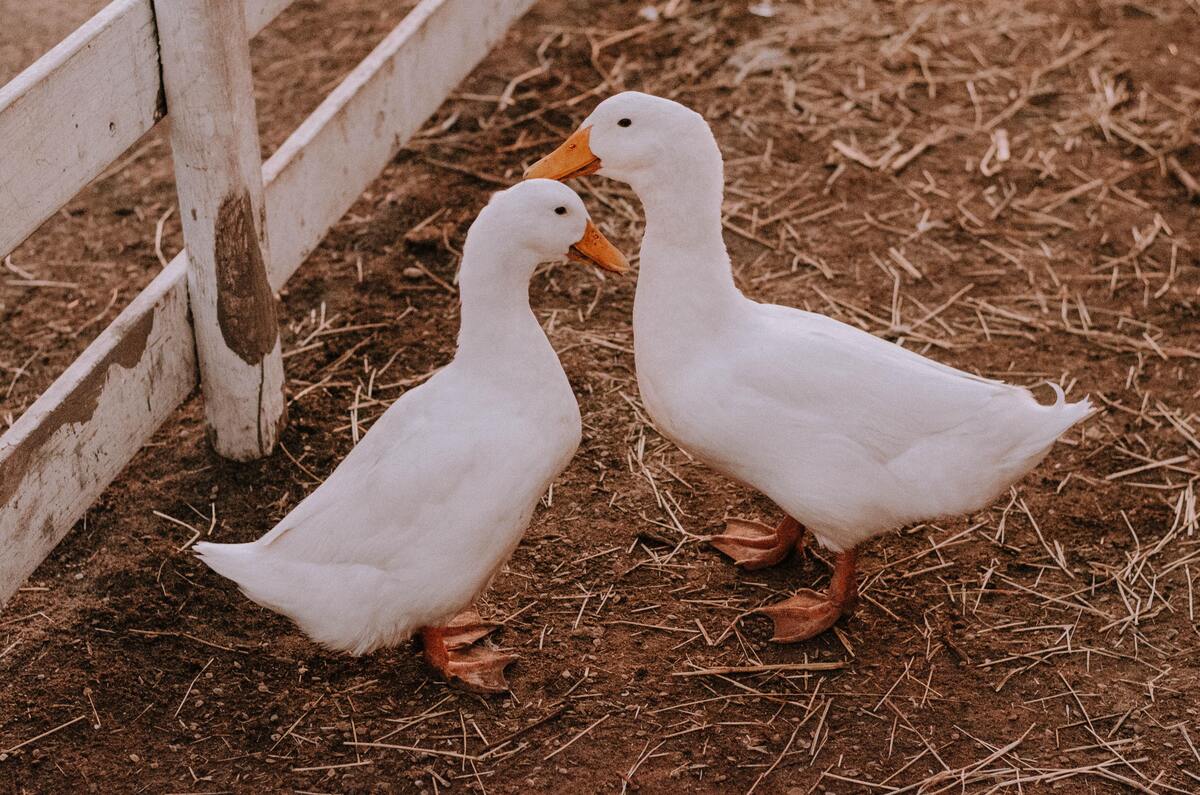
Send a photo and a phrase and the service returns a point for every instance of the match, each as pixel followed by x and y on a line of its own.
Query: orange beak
pixel 573 159
pixel 594 249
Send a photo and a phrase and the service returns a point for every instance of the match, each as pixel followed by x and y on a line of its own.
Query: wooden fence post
pixel 218 175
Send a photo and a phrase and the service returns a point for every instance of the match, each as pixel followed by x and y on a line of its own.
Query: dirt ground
pixel 1000 185
pixel 32 28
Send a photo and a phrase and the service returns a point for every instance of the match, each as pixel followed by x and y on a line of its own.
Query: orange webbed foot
pixel 754 545
pixel 466 628
pixel 449 649
pixel 477 669
pixel 807 613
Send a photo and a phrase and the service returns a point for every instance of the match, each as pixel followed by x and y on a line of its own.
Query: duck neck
pixel 496 316
pixel 683 256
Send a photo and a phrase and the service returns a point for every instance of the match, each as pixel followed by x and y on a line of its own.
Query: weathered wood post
pixel 218 175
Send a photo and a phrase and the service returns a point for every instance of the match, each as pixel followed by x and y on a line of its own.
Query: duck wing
pixel 402 482
pixel 811 368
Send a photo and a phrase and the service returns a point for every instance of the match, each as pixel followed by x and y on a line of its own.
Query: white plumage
pixel 849 434
pixel 416 520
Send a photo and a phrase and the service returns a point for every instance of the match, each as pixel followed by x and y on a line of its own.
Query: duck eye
pixel 560 210
pixel 624 122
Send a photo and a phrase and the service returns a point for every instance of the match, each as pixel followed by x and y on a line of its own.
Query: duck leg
pixel 450 650
pixel 808 613
pixel 754 545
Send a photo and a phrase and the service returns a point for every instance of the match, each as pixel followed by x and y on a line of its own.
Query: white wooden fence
pixel 72 113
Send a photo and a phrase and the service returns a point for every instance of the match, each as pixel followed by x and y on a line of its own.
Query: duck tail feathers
pixel 1067 414
pixel 312 595
pixel 232 561
pixel 259 579
pixel 1060 397
pixel 1045 426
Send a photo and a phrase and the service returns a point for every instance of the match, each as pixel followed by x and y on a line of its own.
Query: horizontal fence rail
pixel 77 108
pixel 70 444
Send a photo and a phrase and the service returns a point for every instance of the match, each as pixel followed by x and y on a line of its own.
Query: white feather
pixel 423 512
pixel 850 434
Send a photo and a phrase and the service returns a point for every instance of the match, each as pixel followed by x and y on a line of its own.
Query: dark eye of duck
pixel 560 210
pixel 624 122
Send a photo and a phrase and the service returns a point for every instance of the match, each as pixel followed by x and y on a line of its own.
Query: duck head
pixel 635 138
pixel 540 220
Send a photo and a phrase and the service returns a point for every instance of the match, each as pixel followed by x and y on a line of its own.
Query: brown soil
pixel 32 28
pixel 1048 644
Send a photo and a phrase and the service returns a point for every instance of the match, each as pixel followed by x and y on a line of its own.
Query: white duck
pixel 849 434
pixel 421 514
